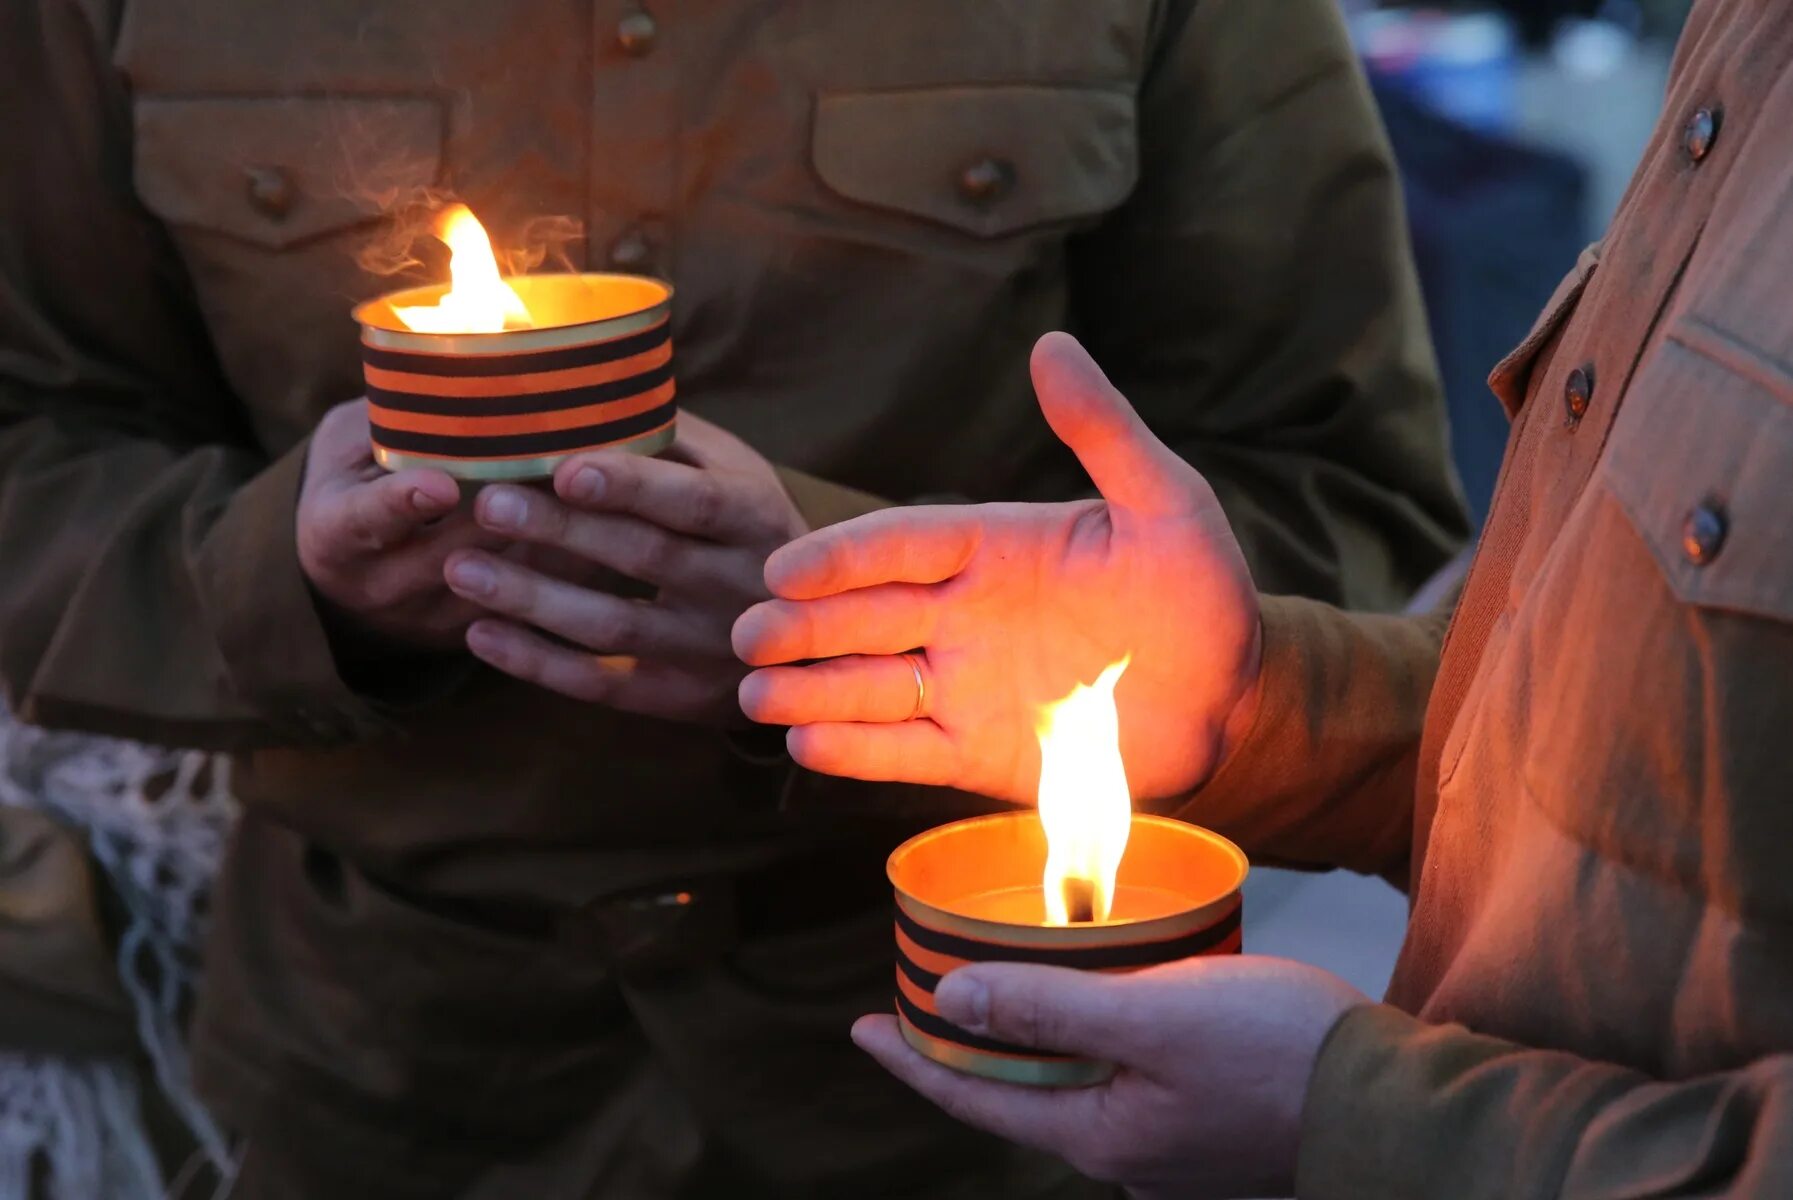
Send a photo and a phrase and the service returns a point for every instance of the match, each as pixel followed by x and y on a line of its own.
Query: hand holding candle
pixel 695 524
pixel 1008 604
pixel 1214 1057
pixel 372 544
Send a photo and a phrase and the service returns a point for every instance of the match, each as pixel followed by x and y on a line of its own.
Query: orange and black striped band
pixel 1083 958
pixel 522 404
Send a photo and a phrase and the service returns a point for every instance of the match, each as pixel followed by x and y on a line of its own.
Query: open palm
pixel 921 643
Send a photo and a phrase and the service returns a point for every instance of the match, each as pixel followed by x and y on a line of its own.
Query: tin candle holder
pixel 971 892
pixel 594 370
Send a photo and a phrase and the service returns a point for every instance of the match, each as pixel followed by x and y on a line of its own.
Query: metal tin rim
pixel 494 470
pixel 1089 934
pixel 514 341
pixel 1029 1072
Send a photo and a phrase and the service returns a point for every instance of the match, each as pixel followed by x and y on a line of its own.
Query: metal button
pixel 1578 392
pixel 1701 132
pixel 986 181
pixel 636 33
pixel 631 251
pixel 271 191
pixel 1703 533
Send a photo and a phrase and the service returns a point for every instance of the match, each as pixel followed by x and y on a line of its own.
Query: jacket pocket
pixel 985 160
pixel 270 202
pixel 1512 375
pixel 1700 460
pixel 277 172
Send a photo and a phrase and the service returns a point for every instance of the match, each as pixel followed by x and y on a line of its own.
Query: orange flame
pixel 1085 804
pixel 477 300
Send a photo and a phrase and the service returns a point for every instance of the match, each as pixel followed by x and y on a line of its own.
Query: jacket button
pixel 1703 533
pixel 631 251
pixel 1701 132
pixel 1578 392
pixel 271 191
pixel 986 181
pixel 636 33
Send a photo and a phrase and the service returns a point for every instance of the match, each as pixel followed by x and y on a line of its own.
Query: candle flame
pixel 477 300
pixel 1084 802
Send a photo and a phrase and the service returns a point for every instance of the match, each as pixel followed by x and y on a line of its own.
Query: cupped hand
pixel 1006 607
pixel 695 525
pixel 1214 1057
pixel 373 544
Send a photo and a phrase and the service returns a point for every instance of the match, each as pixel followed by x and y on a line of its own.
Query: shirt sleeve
pixel 1255 298
pixel 1325 775
pixel 1398 1108
pixel 152 586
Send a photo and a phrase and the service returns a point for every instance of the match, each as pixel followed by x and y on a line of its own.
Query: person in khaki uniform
pixel 1583 779
pixel 476 938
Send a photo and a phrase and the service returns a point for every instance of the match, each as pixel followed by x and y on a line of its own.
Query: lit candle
pixel 1083 882
pixel 488 377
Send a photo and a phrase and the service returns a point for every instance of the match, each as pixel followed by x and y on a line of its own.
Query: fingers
pixel 634 547
pixel 906 752
pixel 706 504
pixel 880 620
pixel 703 692
pixel 1128 465
pixel 597 620
pixel 1109 1017
pixel 897 545
pixel 1047 1119
pixel 372 517
pixel 341 443
pixel 875 688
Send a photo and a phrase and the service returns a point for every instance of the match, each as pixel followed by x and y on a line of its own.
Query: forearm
pixel 1397 1108
pixel 154 592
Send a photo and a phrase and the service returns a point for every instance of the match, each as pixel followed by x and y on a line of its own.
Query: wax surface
pixel 1027 905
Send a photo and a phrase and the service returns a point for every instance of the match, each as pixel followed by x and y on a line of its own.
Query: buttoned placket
pixel 1615 322
pixel 632 171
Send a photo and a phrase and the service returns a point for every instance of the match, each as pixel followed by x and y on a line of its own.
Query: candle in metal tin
pixel 504 378
pixel 1083 882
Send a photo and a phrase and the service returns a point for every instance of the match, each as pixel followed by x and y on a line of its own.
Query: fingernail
pixel 483 640
pixel 473 577
pixel 964 1001
pixel 423 502
pixel 587 484
pixel 505 509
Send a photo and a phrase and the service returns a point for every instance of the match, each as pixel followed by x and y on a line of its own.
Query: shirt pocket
pixel 269 201
pixel 984 161
pixel 1701 459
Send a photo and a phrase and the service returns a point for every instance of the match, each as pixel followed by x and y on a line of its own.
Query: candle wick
pixel 1080 900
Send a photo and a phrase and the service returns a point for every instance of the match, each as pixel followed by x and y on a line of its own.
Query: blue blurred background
pixel 1516 126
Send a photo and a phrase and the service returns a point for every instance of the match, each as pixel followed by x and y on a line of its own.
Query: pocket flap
pixel 1512 374
pixel 278 171
pixel 985 160
pixel 1709 422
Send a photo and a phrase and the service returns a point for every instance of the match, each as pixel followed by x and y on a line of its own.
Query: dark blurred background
pixel 1517 125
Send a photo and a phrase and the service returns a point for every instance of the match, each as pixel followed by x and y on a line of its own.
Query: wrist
pixel 1243 716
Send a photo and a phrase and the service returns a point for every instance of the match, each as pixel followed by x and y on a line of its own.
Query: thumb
pixel 1049 1008
pixel 1130 467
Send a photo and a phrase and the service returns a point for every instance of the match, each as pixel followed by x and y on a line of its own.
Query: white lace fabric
pixel 156 821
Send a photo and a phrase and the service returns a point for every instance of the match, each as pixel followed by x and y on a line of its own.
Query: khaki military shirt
pixel 1591 794
pixel 869 209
